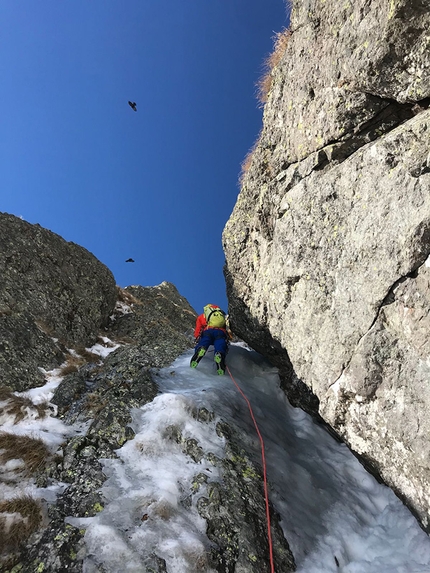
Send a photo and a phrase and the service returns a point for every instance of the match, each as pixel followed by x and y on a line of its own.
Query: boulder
pixel 344 67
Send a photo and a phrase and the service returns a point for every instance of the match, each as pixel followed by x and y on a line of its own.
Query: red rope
pixel 263 457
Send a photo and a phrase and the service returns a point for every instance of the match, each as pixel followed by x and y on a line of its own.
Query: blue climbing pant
pixel 215 336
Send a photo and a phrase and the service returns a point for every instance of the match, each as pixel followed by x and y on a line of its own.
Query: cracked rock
pixel 327 243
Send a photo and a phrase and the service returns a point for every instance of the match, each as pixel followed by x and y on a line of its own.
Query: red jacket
pixel 201 324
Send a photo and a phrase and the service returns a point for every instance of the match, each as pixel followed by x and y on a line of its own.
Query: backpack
pixel 215 317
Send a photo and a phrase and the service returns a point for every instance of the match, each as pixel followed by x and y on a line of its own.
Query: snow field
pixel 336 517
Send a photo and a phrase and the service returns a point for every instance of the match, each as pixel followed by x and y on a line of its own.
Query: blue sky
pixel 157 185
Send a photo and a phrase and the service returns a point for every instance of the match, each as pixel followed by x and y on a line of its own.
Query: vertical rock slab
pixel 327 245
pixel 342 67
pixel 381 401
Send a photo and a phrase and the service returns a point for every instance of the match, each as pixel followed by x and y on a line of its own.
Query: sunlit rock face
pixel 327 248
pixel 49 289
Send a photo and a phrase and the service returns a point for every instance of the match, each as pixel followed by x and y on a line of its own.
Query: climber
pixel 210 329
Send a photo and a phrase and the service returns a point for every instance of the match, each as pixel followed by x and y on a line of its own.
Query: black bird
pixel 132 104
pixel 129 261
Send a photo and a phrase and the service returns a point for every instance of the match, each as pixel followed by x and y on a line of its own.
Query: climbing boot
pixel 197 356
pixel 220 362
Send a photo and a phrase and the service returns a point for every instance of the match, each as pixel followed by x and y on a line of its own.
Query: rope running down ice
pixel 263 457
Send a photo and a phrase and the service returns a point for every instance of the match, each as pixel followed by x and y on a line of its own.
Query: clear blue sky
pixel 157 185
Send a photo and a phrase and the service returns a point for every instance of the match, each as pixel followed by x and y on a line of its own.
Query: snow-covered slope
pixel 336 517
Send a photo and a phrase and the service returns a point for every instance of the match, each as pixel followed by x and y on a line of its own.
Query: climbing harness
pixel 263 457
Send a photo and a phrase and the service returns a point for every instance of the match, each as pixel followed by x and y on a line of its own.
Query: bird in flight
pixel 132 104
pixel 129 261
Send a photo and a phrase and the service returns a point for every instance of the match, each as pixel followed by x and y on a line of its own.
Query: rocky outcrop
pixel 101 395
pixel 153 326
pixel 160 313
pixel 53 293
pixel 326 248
pixel 235 513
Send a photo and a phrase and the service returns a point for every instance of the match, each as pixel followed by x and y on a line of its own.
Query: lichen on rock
pixel 236 515
pixel 331 224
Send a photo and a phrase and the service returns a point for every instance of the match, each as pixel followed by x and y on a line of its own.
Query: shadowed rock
pixel 49 289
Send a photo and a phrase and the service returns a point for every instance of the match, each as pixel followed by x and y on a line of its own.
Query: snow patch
pixel 151 505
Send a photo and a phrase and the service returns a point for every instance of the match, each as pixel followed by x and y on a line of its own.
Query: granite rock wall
pixel 327 249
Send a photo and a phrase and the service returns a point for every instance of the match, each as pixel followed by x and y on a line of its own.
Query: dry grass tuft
pixel 264 85
pixel 280 41
pixel 21 407
pixel 19 518
pixel 44 327
pixel 127 297
pixel 73 364
pixel 124 340
pixel 69 369
pixel 247 162
pixel 88 357
pixel 95 402
pixel 32 451
pixel 102 342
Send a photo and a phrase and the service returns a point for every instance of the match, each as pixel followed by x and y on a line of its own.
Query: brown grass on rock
pixel 45 327
pixel 280 41
pixel 21 407
pixel 246 163
pixel 122 340
pixel 32 451
pixel 73 364
pixel 127 297
pixel 95 402
pixel 87 355
pixel 19 518
pixel 83 356
pixel 105 343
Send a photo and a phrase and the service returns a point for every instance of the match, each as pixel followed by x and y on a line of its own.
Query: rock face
pixel 153 325
pixel 104 395
pixel 235 514
pixel 161 314
pixel 49 288
pixel 326 248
